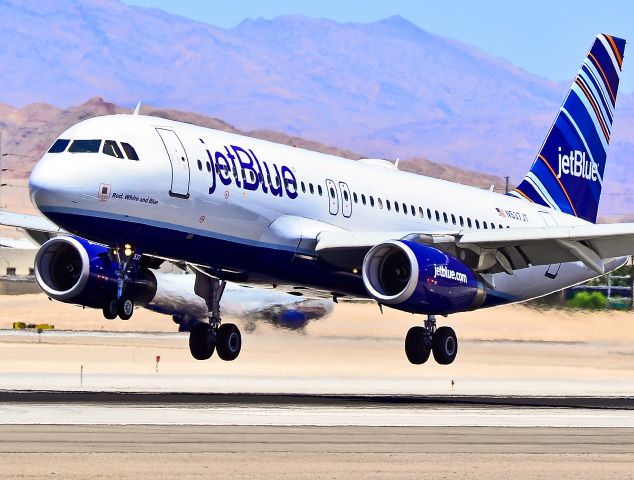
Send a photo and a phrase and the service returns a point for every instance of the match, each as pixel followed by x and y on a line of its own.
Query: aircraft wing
pixel 38 228
pixel 496 250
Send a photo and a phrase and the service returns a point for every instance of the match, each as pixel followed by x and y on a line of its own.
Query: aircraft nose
pixel 48 183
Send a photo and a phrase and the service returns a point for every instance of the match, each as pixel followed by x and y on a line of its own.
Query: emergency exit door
pixel 178 160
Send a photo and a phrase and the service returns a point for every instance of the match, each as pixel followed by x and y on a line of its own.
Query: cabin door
pixel 179 161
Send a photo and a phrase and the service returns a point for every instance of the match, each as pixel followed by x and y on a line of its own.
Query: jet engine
pixel 73 270
pixel 419 278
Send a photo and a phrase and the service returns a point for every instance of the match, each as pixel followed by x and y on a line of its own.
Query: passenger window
pixel 437 216
pixel 345 196
pixel 387 203
pixel 363 198
pixel 111 148
pixel 209 166
pixel 355 198
pixel 332 192
pixel 453 219
pixel 85 146
pixel 444 217
pixel 468 222
pixel 413 211
pixel 429 213
pixel 371 201
pixel 200 164
pixel 59 146
pixel 303 187
pixel 484 225
pixel 380 203
pixel 492 225
pixel 420 212
pixel 396 206
pixel 405 209
pixel 320 190
pixel 129 150
pixel 310 186
pixel 500 226
pixel 461 221
pixel 477 224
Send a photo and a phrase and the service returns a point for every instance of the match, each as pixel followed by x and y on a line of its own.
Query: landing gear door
pixel 553 268
pixel 346 201
pixel 333 197
pixel 179 161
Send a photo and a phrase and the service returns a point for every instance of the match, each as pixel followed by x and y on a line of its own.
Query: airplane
pixel 168 290
pixel 234 208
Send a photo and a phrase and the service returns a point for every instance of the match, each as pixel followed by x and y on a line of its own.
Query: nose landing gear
pixel 122 305
pixel 204 338
pixel 421 341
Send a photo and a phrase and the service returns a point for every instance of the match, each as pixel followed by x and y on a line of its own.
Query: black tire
pixel 416 348
pixel 229 342
pixel 201 345
pixel 110 309
pixel 445 345
pixel 125 308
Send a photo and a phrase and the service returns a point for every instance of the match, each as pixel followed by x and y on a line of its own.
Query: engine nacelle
pixel 418 278
pixel 73 270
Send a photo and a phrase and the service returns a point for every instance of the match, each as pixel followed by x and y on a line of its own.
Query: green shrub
pixel 589 301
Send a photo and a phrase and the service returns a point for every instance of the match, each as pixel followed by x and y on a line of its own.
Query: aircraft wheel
pixel 416 348
pixel 201 345
pixel 229 341
pixel 125 308
pixel 445 345
pixel 110 309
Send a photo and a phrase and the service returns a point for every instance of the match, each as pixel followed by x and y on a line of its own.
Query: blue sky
pixel 549 38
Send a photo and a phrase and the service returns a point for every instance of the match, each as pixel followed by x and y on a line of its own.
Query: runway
pixel 121 408
pixel 122 452
pixel 132 436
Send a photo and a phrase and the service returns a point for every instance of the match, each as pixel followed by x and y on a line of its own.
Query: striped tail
pixel 567 174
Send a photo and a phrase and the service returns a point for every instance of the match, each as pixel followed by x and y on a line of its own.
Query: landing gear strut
pixel 204 338
pixel 122 305
pixel 421 341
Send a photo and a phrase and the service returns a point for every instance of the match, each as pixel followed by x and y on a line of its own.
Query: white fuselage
pixel 186 206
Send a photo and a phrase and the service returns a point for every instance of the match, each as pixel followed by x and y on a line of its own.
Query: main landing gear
pixel 421 341
pixel 205 338
pixel 122 305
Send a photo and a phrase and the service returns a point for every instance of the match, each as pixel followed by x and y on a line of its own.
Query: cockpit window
pixel 59 145
pixel 85 146
pixel 111 148
pixel 129 151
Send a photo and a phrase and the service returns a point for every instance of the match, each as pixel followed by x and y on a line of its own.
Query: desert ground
pixel 505 350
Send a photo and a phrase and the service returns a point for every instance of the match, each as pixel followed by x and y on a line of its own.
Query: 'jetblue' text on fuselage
pixel 234 164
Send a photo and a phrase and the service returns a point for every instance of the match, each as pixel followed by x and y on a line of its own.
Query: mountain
pixel 29 131
pixel 385 89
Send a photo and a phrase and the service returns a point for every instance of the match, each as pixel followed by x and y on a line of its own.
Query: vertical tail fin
pixel 567 174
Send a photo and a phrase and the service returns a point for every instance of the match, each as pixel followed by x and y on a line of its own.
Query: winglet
pixel 137 108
